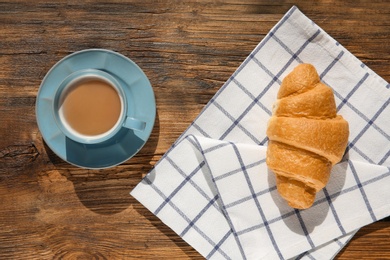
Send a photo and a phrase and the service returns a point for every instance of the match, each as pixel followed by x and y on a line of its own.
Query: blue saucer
pixel 141 104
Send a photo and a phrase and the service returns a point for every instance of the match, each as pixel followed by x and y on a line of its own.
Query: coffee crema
pixel 91 107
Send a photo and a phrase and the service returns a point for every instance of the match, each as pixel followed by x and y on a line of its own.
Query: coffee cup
pixel 90 107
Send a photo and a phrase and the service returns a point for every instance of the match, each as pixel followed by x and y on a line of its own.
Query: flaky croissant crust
pixel 306 136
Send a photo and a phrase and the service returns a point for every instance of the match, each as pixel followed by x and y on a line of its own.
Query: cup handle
pixel 134 123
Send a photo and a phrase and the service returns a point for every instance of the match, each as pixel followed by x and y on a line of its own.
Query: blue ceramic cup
pixel 71 82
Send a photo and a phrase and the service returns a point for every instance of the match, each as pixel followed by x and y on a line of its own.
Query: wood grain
pixel 50 209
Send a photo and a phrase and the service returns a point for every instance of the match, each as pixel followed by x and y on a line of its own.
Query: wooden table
pixel 50 209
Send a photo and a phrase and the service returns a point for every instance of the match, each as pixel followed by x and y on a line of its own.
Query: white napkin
pixel 213 187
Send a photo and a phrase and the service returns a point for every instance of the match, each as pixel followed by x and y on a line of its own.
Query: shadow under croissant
pixel 304 221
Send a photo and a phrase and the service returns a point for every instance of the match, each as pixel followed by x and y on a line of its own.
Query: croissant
pixel 306 136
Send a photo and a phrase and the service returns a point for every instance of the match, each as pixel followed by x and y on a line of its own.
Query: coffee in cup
pixel 90 107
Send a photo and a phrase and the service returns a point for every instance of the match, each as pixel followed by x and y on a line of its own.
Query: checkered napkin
pixel 213 187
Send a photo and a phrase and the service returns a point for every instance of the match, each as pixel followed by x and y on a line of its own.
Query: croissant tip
pixel 297 194
pixel 300 205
